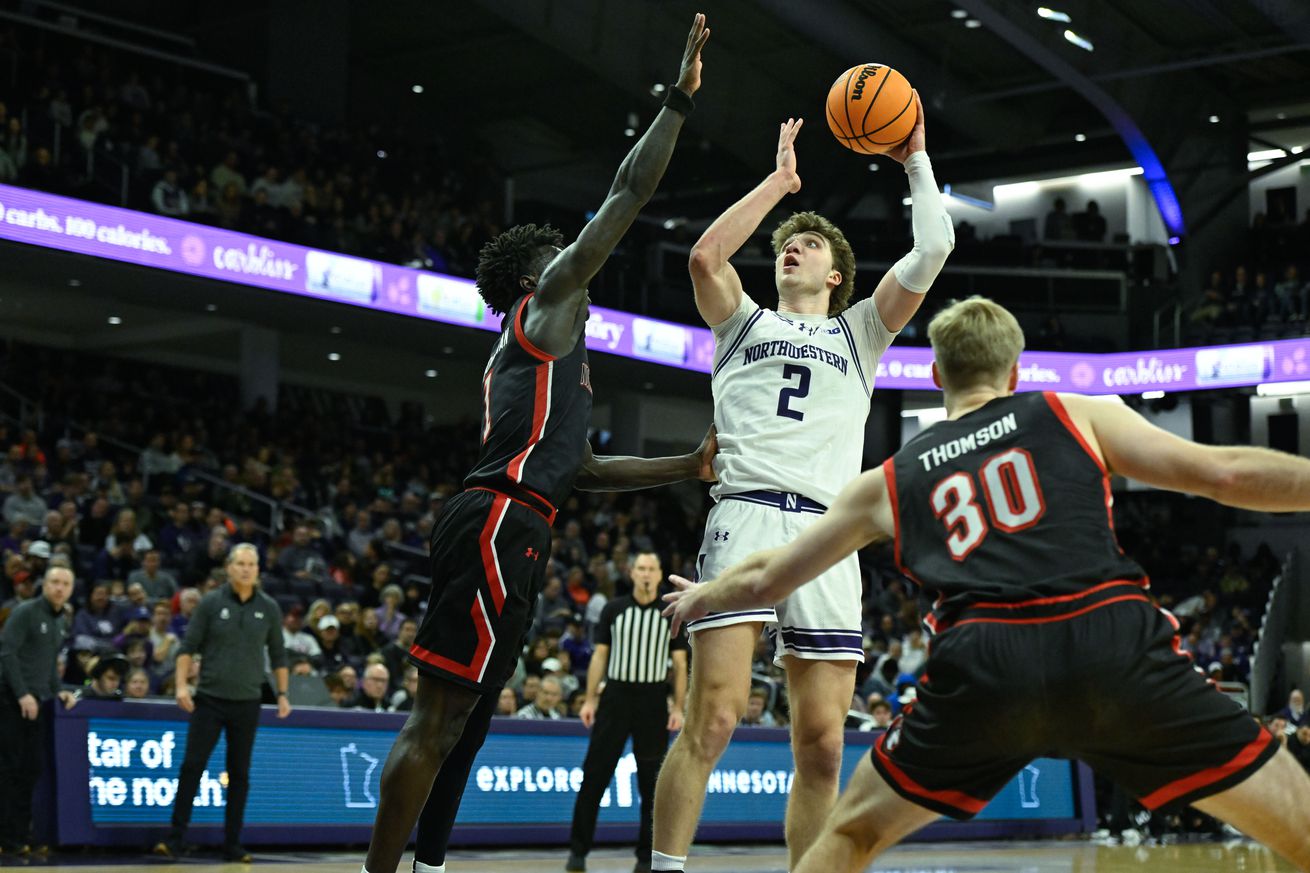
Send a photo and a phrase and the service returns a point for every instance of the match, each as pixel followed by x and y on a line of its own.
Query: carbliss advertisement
pixel 315 777
pixel 46 220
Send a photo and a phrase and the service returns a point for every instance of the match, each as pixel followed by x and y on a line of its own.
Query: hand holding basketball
pixel 786 158
pixel 915 141
pixel 871 109
pixel 689 75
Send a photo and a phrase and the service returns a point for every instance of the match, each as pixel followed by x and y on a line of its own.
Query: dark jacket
pixel 231 636
pixel 29 650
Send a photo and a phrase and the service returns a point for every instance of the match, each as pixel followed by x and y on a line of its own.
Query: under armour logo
pixel 531 553
pixel 721 536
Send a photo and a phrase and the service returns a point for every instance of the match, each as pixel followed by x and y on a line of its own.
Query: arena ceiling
pixel 1006 92
pixel 547 87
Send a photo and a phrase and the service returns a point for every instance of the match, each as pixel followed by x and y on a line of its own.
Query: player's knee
pixel 864 836
pixel 709 734
pixel 423 737
pixel 411 755
pixel 818 754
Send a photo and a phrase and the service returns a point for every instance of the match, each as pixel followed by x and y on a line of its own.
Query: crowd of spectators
pixel 144 486
pixel 141 527
pixel 1266 294
pixel 85 120
pixel 141 478
pixel 152 478
pixel 194 145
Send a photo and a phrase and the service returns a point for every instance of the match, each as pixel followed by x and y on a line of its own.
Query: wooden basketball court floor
pixel 1066 856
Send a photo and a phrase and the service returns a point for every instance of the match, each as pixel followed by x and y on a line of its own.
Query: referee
pixel 229 630
pixel 635 704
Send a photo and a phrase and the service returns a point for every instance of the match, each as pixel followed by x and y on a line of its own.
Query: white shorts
pixel 819 621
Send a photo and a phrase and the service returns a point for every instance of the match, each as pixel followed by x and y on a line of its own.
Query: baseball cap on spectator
pixel 141 613
pixel 551 665
pixel 38 549
pixel 115 662
pixel 85 643
pixel 1214 666
pixel 328 621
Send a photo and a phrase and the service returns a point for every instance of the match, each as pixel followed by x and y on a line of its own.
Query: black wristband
pixel 677 100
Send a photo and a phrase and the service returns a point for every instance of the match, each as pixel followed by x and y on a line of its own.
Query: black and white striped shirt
pixel 638 637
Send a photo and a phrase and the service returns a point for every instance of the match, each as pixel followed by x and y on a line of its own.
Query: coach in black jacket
pixel 230 630
pixel 29 676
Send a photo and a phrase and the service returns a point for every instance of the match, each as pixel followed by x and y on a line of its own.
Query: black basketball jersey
pixel 535 413
pixel 1007 503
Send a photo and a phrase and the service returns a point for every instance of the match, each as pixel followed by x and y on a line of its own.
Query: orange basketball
pixel 871 109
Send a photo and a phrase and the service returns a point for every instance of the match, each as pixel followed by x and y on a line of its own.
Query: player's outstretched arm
pixel 564 282
pixel 1242 476
pixel 861 514
pixel 717 286
pixel 900 293
pixel 625 473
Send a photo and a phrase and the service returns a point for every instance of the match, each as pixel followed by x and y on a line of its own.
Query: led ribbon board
pixel 45 220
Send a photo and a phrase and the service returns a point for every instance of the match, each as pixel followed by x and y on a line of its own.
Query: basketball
pixel 871 108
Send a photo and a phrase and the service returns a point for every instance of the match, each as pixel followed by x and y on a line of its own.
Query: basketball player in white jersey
pixel 791 395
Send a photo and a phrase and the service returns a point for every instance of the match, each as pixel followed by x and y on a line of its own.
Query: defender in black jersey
pixel 1045 641
pixel 490 548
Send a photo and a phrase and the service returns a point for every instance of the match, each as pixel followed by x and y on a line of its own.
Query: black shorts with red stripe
pixel 1097 677
pixel 489 557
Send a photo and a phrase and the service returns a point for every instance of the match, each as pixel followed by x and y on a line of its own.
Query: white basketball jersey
pixel 791 395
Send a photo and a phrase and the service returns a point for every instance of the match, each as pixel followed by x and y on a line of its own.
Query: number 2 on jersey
pixel 789 393
pixel 1013 496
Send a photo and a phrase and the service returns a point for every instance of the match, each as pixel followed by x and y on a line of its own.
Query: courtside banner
pixel 315 778
pixel 50 221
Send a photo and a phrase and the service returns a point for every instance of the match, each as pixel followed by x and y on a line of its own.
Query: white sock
pixel 420 867
pixel 661 861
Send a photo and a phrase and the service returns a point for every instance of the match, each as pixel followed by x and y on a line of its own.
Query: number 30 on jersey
pixel 1011 492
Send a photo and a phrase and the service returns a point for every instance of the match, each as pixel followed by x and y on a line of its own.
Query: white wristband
pixel 934 233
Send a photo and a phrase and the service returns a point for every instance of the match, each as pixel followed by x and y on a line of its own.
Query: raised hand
pixel 786 158
pixel 915 141
pixel 689 75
